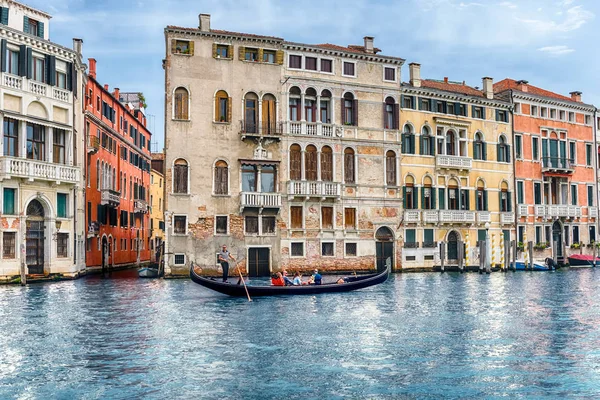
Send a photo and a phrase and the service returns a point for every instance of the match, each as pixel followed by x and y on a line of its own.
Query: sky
pixel 550 43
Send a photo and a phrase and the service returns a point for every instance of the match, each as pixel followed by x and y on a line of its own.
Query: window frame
pixel 217 216
pixel 519 151
pixel 292 227
pixel 262 225
pixel 331 60
pixel 289 58
pixel 385 68
pixel 184 100
pixel 303 243
pixel 346 243
pixel 175 255
pixel 66 216
pixel 15 200
pixel 354 63
pixel 221 46
pixel 65 246
pixel 332 242
pixel 174 233
pixel 246 232
pixel 13 255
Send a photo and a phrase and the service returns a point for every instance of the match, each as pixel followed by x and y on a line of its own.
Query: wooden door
pixel 35 246
pixel 259 262
pixel 384 252
pixel 268 117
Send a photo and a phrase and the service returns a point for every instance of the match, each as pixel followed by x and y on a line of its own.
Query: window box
pixel 182 47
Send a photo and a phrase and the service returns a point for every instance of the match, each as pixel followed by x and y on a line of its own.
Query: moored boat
pixel 148 272
pixel 232 289
pixel 537 266
pixel 582 261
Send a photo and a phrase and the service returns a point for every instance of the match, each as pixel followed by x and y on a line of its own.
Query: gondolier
pixel 224 257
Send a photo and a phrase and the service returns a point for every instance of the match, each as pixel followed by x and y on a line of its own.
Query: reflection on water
pixel 417 335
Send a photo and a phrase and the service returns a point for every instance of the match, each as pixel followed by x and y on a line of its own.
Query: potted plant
pixel 521 246
pixel 222 119
pixel 540 246
pixel 575 245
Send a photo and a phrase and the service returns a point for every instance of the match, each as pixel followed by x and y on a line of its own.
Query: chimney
pixel 488 87
pixel 445 79
pixel 106 87
pixel 576 96
pixel 77 45
pixel 522 85
pixel 415 74
pixel 92 64
pixel 204 22
pixel 116 93
pixel 369 44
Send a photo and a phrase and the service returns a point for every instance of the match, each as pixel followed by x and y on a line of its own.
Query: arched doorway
pixel 557 241
pixel 35 238
pixel 384 246
pixel 452 246
pixel 105 253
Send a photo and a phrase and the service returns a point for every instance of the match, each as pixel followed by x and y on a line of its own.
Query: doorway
pixel 453 246
pixel 35 238
pixel 104 253
pixel 259 261
pixel 557 241
pixel 384 248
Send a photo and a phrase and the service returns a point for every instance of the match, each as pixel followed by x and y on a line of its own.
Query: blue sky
pixel 550 43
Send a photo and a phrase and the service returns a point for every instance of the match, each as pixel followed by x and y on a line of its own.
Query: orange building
pixel 554 169
pixel 118 176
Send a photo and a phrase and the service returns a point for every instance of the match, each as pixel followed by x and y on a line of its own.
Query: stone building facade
pixel 41 148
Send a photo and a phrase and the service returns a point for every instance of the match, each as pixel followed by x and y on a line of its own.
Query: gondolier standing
pixel 224 257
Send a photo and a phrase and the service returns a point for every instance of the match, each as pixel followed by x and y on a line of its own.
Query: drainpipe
pixel 514 162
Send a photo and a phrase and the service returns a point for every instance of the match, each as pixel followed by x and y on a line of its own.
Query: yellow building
pixel 456 170
pixel 157 212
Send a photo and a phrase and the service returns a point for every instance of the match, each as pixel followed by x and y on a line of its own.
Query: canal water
pixel 427 335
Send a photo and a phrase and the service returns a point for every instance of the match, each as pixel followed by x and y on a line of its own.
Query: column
pixel 302 115
pixel 49 143
pixel 259 120
pixel 318 116
pixel 303 165
pixel 22 139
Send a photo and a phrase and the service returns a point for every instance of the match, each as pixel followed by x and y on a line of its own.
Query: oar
pixel 237 265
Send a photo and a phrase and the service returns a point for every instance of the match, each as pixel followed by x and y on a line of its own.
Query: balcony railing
pixel 593 212
pixel 431 217
pixel 457 216
pixel 93 144
pixel 34 87
pixel 412 216
pixel 25 168
pixel 303 128
pixel 540 210
pixel 522 210
pixel 411 245
pixel 483 217
pixel 507 218
pixel 314 189
pixel 455 162
pixel 557 164
pixel 272 129
pixel 429 245
pixel 561 210
pixel 110 197
pixel 260 200
pixel 140 206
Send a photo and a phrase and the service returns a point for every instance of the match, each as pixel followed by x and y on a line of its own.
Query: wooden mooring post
pixel 442 254
pixel 513 245
pixel 461 255
pixel 530 250
pixel 482 255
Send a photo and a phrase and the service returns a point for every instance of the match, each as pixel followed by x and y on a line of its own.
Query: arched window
pixel 294 102
pixel 453 195
pixel 427 142
pixel 503 150
pixel 349 166
pixel 349 110
pixel 390 168
pixel 295 162
pixel 505 198
pixel 409 194
pixel 427 194
pixel 310 105
pixel 222 107
pixel 326 164
pixel 408 140
pixel 251 113
pixel 114 179
pixel 221 178
pixel 180 176
pixel 98 174
pixel 310 163
pixel 269 114
pixel 482 201
pixel 325 106
pixel 181 103
pixel 450 143
pixel 479 147
pixel 390 113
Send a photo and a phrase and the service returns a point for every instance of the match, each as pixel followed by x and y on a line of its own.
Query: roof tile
pixel 508 84
pixel 451 87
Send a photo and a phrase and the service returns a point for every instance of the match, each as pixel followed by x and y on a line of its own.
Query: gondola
pixel 583 261
pixel 233 289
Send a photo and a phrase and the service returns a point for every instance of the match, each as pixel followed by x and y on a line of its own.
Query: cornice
pixel 456 96
pixel 554 102
pixel 37 43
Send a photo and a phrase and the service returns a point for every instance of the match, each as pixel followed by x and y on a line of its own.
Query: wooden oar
pixel 242 278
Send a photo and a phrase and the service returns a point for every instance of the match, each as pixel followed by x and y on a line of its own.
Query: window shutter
pixel 229 109
pixel 498 152
pixel 214 50
pixel 507 153
pixel 476 154
pixel 343 107
pixel 412 143
pixel 70 78
pixel 41 29
pixel 415 198
pixel 420 103
pixel 403 143
pixel 23 60
pixel 433 204
pixel 423 197
pixel 402 100
pixel 260 55
pixel 279 57
pixel 497 115
pixel 468 199
pixel 50 70
pixel 355 112
pixel 484 151
pixel 26 24
pixel 385 116
pixel 421 144
pixel 173 45
pixel 433 105
pixel 442 199
pixel 191 47
pixel 3 58
pixel 230 51
pixel 4 16
pixel 396 116
pixel 457 109
pixel 509 201
pixel 241 53
pixel 473 111
pixel 404 197
pixel 500 201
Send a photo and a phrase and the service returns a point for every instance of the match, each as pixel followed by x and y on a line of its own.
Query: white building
pixel 41 150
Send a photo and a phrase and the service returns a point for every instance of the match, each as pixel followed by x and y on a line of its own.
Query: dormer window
pixel 33 27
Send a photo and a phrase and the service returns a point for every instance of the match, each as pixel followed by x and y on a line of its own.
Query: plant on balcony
pixel 591 244
pixel 142 98
pixel 541 246
pixel 576 245
pixel 521 246
pixel 222 119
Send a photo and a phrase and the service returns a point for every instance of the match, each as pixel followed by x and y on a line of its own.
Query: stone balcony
pixel 412 216
pixel 260 200
pixel 303 128
pixel 453 162
pixel 457 217
pixel 483 217
pixel 559 165
pixel 593 212
pixel 140 206
pixel 35 88
pixel 109 197
pixel 558 211
pixel 314 189
pixel 507 218
pixel 38 170
pixel 522 210
pixel 431 216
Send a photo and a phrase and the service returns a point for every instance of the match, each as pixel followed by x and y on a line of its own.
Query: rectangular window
pixel 588 120
pixel 572 150
pixel 62 244
pixel 179 224
pixel 574 195
pixel 251 224
pixel 268 225
pixel 350 218
pixel 518 146
pixel 592 234
pixel 349 69
pixel 408 102
pixel 296 217
pixel 11 137
pixel 478 112
pixel 181 47
pixel 590 196
pixel 410 236
pixel 326 65
pixel 562 115
pixel 544 112
pixel 179 259
pixel 58 146
pixel 36 142
pixel 520 192
pixel 575 234
pixel 9 199
pixel 534 111
pixel 450 108
pixel 553 113
pixel 12 62
pixel 297 249
pixel 269 56
pixel 502 116
pixel 351 250
pixel 327 249
pixel 428 241
pixel 571 117
pixel 9 244
pixel 221 225
pixel 538 234
pixel 537 193
pixel 39 69
pixel 61 205
pixel 588 154
pixel 520 233
pixel 441 107
pixel 535 148
pixel 223 51
pixel 327 217
pixel 310 63
pixel 250 54
pixel 425 105
pixel 390 74
pixel 295 61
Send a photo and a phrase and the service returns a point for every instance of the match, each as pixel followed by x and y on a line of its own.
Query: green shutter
pixel 500 201
pixel 3 58
pixel 420 103
pixel 507 153
pixel 61 205
pixel 480 235
pixel 41 29
pixel 442 199
pixel 457 108
pixel 410 236
pixel 415 198
pixel 485 200
pixel 484 151
pixel 433 205
pixel 4 16
pixel 29 63
pixel 468 197
pixel 412 144
pixel 402 100
pixel 433 105
pixel 428 236
pixel 423 197
pixel 476 154
pixel 421 145
pixel 590 195
pixel 482 112
pixel 498 152
pixel 26 24
pixel 497 115
pixel 23 60
pixel 509 201
pixel 473 111
pixel 9 201
pixel 404 197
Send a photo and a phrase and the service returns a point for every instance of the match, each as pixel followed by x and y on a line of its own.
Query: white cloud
pixel 556 50
pixel 575 18
pixel 508 4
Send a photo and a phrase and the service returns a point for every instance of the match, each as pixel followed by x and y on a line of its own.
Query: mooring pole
pixel 530 249
pixel 594 250
pixel 461 251
pixel 481 255
pixel 514 255
pixel 442 254
pixel 23 266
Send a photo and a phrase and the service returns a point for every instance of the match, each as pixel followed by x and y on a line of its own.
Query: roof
pixel 350 48
pixel 222 32
pixel 508 84
pixel 453 87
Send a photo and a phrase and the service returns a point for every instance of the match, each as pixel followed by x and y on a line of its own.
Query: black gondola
pixel 232 289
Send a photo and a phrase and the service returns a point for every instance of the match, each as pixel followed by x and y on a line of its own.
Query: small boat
pixel 232 289
pixel 151 271
pixel 582 261
pixel 537 266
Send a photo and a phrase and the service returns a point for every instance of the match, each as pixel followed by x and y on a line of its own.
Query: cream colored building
pixel 41 148
pixel 157 212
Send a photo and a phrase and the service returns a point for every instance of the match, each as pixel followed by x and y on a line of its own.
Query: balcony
pixel 411 245
pixel 431 217
pixel 593 212
pixel 314 189
pixel 563 211
pixel 93 229
pixel 457 217
pixel 109 197
pixel 507 218
pixel 429 245
pixel 303 128
pixel 272 130
pixel 260 200
pixel 412 216
pixel 140 206
pixel 540 210
pixel 559 165
pixel 40 170
pixel 522 210
pixel 483 217
pixel 454 162
pixel 93 144
pixel 34 87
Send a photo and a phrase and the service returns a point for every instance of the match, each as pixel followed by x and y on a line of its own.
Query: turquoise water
pixel 431 335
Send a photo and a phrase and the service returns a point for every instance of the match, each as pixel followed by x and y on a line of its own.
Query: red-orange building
pixel 554 169
pixel 118 176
